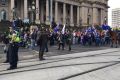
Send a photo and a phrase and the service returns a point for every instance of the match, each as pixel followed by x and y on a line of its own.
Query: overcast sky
pixel 113 4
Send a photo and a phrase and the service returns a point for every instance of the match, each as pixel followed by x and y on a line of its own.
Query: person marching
pixel 61 41
pixel 69 39
pixel 13 50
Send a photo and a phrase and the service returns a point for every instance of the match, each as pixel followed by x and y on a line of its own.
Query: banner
pixel 63 29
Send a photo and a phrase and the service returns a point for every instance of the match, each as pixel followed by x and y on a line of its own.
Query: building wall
pixel 87 12
pixel 116 17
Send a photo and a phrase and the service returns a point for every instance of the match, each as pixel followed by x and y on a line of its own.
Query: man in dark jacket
pixel 69 39
pixel 42 42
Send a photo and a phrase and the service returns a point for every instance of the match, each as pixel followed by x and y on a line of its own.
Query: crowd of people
pixel 42 37
pixel 88 36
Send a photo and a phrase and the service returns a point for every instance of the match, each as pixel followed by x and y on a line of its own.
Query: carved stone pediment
pixel 103 2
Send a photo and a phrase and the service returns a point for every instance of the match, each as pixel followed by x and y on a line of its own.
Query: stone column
pixel 78 16
pixel 37 12
pixel 22 9
pixel 71 15
pixel 95 16
pixel 91 16
pixel 12 4
pixel 102 16
pixel 25 9
pixel 106 15
pixel 47 13
pixel 64 13
pixel 56 12
pixel 42 12
pixel 11 8
pixel 84 16
pixel 51 10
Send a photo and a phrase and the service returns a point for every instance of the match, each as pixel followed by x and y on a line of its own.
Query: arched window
pixel 3 15
pixel 3 2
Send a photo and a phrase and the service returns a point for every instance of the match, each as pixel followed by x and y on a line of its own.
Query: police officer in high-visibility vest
pixel 13 50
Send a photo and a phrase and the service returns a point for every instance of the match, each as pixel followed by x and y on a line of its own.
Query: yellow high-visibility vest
pixel 16 39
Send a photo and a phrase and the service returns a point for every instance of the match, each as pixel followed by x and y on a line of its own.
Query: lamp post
pixel 105 19
pixel 29 9
pixel 89 19
pixel 13 13
pixel 66 21
pixel 32 12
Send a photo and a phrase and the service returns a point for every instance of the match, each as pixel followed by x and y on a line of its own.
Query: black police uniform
pixel 13 55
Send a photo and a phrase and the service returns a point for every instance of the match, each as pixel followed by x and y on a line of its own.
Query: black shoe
pixel 6 62
pixel 41 59
pixel 69 49
pixel 5 51
pixel 12 68
pixel 46 50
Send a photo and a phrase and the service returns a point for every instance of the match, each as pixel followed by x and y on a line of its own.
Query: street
pixel 25 53
pixel 96 64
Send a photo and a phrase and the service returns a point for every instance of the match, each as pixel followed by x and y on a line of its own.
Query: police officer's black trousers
pixel 7 56
pixel 13 55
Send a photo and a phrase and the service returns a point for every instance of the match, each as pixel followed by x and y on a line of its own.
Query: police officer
pixel 13 50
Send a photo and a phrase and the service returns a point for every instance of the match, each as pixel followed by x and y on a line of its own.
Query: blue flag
pixel 90 29
pixel 56 29
pixel 106 27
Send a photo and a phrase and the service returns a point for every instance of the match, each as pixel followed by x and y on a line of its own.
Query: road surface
pixel 91 65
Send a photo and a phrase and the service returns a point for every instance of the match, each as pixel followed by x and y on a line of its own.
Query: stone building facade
pixel 72 12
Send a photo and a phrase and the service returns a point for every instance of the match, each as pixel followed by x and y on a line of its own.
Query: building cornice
pixel 69 2
pixel 100 3
pixel 86 3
